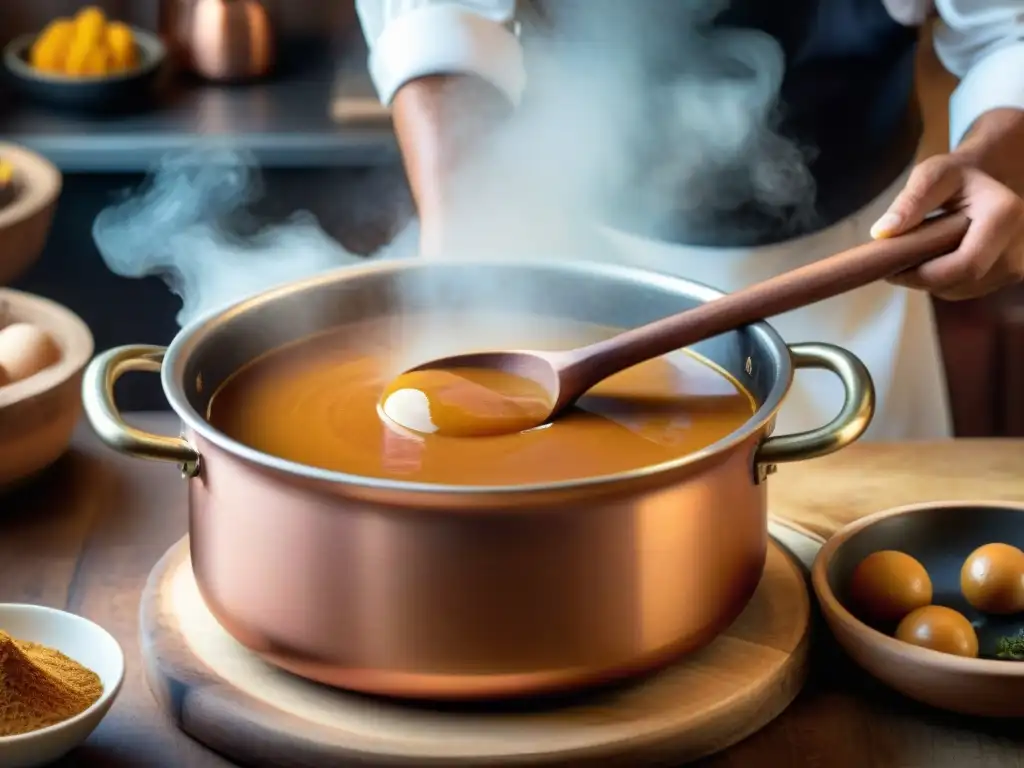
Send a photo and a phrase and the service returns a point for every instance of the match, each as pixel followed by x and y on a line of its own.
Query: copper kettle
pixel 223 40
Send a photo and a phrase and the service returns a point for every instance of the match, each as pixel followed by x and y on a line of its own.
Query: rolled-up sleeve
pixel 982 42
pixel 416 38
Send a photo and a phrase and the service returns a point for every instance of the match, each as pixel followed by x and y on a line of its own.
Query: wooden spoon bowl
pixel 940 536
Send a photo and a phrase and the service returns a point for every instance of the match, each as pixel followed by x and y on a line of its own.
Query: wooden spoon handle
pixel 791 290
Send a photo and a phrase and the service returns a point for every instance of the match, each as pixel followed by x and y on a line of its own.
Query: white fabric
pixel 416 38
pixel 980 41
pixel 992 82
pixel 891 329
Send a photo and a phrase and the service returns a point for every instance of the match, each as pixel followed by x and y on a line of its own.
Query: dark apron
pixel 840 129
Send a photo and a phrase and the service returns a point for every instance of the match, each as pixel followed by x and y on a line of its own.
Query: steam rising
pixel 638 114
pixel 191 225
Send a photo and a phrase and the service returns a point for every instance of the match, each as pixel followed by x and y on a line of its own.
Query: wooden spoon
pixel 484 393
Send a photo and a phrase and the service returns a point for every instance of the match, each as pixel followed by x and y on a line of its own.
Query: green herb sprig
pixel 1011 648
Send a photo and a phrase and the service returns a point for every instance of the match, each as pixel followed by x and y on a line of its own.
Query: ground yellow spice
pixel 40 686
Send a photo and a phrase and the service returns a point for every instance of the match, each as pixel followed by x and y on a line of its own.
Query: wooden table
pixel 85 537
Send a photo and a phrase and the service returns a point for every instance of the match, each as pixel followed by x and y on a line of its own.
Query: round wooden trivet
pixel 225 697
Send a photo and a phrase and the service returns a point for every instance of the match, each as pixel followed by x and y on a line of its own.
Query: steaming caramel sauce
pixel 315 402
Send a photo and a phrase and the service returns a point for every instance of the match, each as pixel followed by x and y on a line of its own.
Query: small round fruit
pixel 940 629
pixel 992 579
pixel 888 585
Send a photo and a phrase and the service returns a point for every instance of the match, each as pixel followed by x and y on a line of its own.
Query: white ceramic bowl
pixel 85 642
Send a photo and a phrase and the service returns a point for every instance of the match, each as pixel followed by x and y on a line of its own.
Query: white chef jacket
pixel 890 328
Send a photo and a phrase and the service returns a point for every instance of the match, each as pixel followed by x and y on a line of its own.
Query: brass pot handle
pixel 98 401
pixel 845 428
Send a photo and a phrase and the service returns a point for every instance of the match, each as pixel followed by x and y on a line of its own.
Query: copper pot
pixel 222 40
pixel 430 591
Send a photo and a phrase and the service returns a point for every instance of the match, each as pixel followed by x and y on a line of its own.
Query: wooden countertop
pixel 85 537
pixel 827 493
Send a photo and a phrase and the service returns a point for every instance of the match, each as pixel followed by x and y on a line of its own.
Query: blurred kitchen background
pixel 325 146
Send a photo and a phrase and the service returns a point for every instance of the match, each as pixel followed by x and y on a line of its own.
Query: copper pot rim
pixel 449 499
pixel 191 336
pixel 836 612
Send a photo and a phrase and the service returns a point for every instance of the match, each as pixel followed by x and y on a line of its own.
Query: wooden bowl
pixel 940 535
pixel 25 220
pixel 118 92
pixel 39 414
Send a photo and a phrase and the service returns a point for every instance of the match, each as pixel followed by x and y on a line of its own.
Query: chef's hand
pixel 991 255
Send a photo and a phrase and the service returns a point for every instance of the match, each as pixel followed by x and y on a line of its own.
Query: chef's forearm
pixel 995 145
pixel 438 121
pixel 450 69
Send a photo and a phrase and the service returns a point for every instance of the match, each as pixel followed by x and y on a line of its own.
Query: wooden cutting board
pixel 226 698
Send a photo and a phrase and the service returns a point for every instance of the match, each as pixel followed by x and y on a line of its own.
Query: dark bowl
pixel 940 536
pixel 120 92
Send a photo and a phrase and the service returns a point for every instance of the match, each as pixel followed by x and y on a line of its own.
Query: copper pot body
pixel 222 40
pixel 451 592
